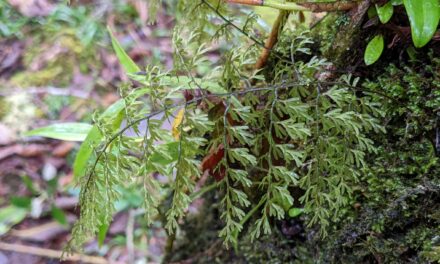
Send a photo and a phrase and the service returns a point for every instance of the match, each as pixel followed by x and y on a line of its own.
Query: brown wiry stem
pixel 272 40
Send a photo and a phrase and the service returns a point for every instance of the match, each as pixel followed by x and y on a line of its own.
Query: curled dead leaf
pixel 211 161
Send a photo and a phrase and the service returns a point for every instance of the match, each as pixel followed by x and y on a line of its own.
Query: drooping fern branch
pixel 293 131
pixel 91 195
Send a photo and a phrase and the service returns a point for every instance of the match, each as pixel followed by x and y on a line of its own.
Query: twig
pixel 202 191
pixel 129 234
pixel 50 253
pixel 271 3
pixel 307 6
pixel 227 21
pixel 272 40
pixel 246 218
pixel 169 247
pixel 315 23
pixel 244 33
pixel 48 90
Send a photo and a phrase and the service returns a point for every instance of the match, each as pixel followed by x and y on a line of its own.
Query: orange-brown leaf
pixel 211 161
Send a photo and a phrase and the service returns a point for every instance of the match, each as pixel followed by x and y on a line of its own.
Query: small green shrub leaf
pixel 21 201
pixel 385 12
pixel 424 18
pixel 85 151
pixel 58 215
pixel 412 53
pixel 63 131
pixel 294 212
pixel 372 12
pixel 374 50
pixel 126 62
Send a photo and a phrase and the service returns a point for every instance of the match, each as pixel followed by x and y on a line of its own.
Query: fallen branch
pixel 291 6
pixel 48 90
pixel 27 151
pixel 50 253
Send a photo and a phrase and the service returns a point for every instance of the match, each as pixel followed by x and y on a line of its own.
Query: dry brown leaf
pixel 10 55
pixel 63 149
pixel 211 161
pixel 7 136
pixel 30 150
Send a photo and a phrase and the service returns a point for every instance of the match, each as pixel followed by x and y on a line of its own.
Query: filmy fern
pixel 292 132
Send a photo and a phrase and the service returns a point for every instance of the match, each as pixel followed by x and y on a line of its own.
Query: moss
pixel 199 241
pixel 395 217
pixel 67 53
pixel 39 78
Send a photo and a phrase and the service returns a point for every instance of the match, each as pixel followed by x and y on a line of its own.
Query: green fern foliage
pixel 290 131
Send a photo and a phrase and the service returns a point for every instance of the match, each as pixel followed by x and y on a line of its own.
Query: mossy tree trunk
pixel 398 200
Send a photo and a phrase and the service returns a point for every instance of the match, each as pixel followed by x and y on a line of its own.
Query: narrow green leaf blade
pixel 385 12
pixel 85 151
pixel 424 17
pixel 63 131
pixel 10 216
pixel 374 50
pixel 94 138
pixel 127 63
pixel 102 233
